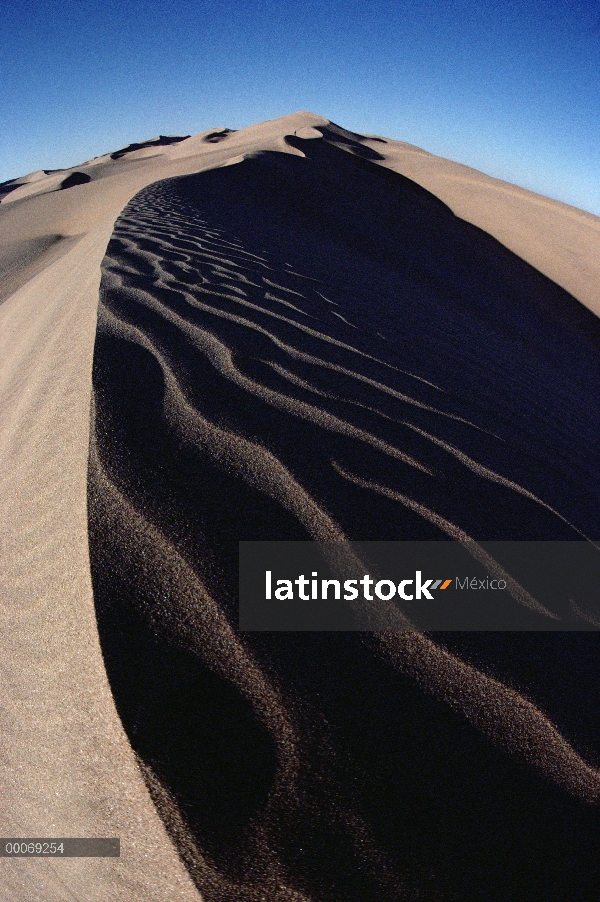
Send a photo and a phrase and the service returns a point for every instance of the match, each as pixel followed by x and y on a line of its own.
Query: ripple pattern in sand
pixel 281 357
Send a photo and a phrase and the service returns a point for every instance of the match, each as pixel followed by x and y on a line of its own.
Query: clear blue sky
pixel 511 88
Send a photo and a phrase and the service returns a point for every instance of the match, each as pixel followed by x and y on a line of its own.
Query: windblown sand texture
pixel 302 333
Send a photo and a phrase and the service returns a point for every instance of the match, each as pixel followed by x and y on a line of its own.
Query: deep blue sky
pixel 511 88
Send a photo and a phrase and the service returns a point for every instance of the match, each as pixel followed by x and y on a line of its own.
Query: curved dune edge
pixel 70 745
pixel 67 765
pixel 47 334
pixel 240 394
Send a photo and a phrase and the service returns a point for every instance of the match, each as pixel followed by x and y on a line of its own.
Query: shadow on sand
pixel 313 346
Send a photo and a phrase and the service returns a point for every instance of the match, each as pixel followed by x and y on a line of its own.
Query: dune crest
pixel 303 332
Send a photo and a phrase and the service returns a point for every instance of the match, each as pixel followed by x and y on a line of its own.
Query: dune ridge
pixel 341 767
pixel 302 346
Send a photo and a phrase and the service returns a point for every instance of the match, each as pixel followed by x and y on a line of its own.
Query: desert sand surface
pixel 289 332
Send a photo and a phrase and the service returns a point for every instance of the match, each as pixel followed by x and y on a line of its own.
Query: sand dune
pixel 297 337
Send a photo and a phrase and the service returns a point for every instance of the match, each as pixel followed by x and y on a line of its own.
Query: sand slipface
pixel 292 342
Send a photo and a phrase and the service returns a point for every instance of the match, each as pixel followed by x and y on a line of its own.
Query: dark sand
pixel 315 347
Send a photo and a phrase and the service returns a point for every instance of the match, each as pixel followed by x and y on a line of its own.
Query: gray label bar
pixel 64 847
pixel 443 585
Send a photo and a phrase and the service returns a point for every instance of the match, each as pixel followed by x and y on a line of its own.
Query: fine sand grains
pixel 302 333
pixel 280 357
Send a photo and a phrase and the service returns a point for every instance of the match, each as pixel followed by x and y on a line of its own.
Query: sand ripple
pixel 300 347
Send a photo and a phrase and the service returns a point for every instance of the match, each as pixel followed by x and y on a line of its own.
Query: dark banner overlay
pixel 443 585
pixel 65 847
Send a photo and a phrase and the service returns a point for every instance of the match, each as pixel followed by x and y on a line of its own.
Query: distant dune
pixel 290 332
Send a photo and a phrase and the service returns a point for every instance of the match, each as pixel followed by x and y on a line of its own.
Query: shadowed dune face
pixel 313 347
pixel 161 141
pixel 76 178
pixel 8 186
pixel 216 137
